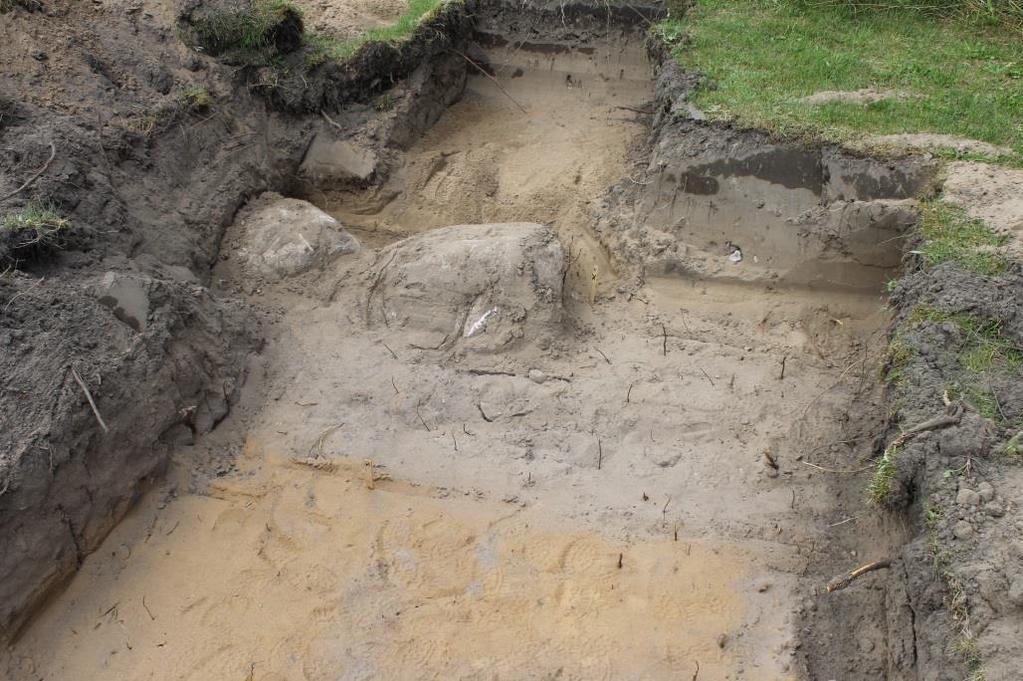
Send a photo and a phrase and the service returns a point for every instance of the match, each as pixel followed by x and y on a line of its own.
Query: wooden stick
pixel 53 153
pixel 484 72
pixel 88 396
pixel 841 581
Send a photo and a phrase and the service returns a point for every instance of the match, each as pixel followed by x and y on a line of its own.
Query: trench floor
pixel 357 518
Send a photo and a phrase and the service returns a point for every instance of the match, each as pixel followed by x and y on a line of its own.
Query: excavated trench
pixel 632 447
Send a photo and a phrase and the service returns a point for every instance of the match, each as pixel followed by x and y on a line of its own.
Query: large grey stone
pixel 283 237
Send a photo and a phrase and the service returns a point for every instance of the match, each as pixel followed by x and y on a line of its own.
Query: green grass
pixel 1013 447
pixel 37 224
pixel 984 350
pixel 879 489
pixel 247 31
pixel 1006 13
pixel 896 358
pixel 950 234
pixel 329 48
pixel 764 56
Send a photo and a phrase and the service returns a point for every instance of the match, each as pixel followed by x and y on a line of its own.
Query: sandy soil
pixel 636 495
pixel 348 18
pixel 499 155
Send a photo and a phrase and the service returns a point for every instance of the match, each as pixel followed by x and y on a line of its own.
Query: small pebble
pixel 994 509
pixel 962 530
pixel 967 497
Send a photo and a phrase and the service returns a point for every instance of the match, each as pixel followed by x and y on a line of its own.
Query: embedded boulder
pixel 284 237
pixel 483 286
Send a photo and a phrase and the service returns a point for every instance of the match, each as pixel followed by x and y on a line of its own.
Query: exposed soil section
pixel 508 367
pixel 485 436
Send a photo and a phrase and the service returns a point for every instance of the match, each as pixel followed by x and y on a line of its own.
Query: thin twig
pixel 53 153
pixel 499 86
pixel 707 376
pixel 421 419
pixel 88 396
pixel 836 470
pixel 603 355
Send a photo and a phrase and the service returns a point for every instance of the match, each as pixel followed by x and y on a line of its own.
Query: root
pixel 53 154
pixel 88 396
pixel 322 465
pixel 953 414
pixel 842 581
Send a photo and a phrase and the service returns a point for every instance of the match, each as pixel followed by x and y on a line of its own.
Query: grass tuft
pixel 764 57
pixel 196 98
pixel 896 358
pixel 32 233
pixel 879 489
pixel 35 224
pixel 250 32
pixel 951 235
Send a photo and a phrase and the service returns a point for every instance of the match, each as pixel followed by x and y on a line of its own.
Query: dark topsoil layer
pixel 150 183
pixel 122 302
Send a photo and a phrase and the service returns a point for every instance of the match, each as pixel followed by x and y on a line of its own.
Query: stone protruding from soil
pixel 332 159
pixel 482 285
pixel 284 237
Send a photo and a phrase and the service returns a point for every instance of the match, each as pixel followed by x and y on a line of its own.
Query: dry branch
pixel 841 581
